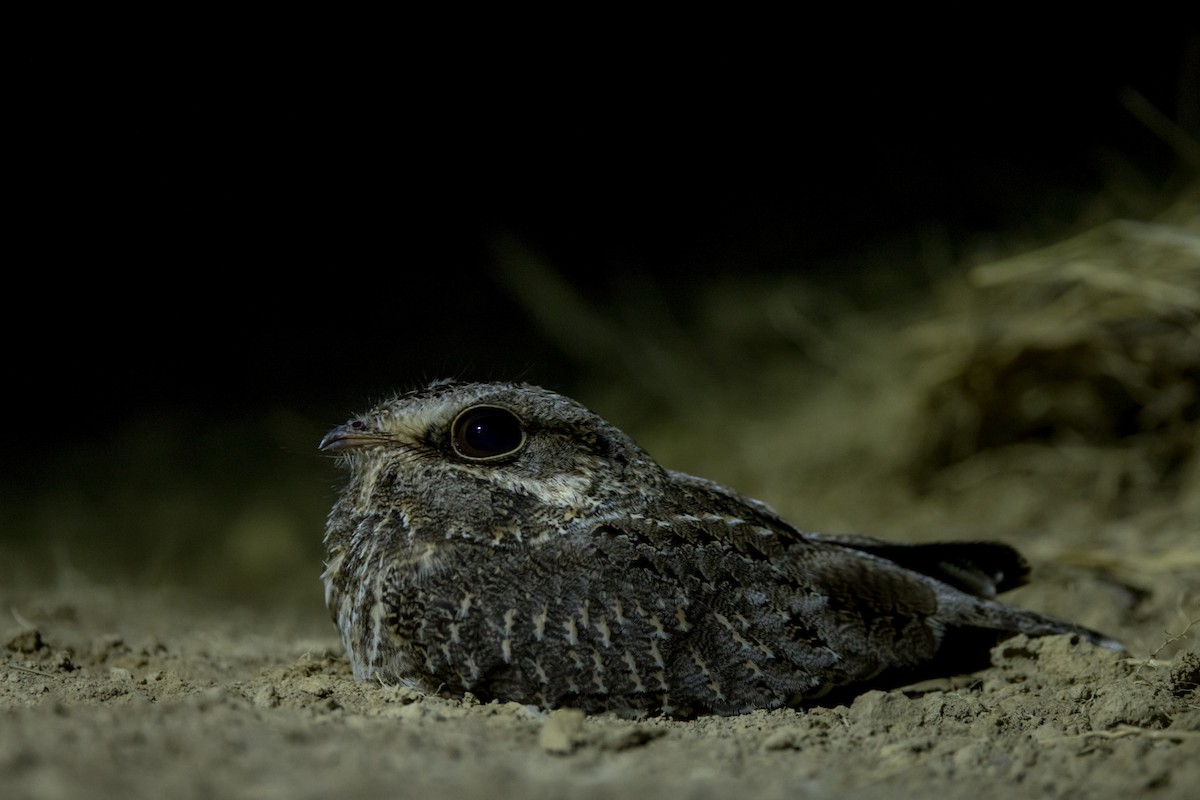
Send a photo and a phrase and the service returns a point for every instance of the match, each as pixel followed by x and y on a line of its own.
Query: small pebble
pixel 560 733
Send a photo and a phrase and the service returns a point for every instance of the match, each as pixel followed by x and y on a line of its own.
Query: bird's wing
pixel 980 568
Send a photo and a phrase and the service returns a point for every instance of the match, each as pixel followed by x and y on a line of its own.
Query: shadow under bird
pixel 502 539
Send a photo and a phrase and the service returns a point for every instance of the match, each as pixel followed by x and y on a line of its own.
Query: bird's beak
pixel 350 436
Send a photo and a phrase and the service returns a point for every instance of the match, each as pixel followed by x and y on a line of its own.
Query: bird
pixel 503 540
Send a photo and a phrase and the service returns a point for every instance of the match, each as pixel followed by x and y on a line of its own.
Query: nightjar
pixel 502 539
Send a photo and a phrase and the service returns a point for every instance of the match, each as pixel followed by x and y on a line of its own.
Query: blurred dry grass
pixel 1090 343
pixel 1050 361
pixel 232 507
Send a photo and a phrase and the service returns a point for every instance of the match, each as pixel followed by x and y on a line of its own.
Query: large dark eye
pixel 487 433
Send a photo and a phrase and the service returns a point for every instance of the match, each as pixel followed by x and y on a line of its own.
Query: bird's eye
pixel 487 433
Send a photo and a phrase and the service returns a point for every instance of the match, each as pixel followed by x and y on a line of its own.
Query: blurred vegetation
pixel 232 506
pixel 1084 353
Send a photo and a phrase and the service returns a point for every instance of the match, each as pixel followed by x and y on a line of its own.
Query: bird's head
pixel 484 454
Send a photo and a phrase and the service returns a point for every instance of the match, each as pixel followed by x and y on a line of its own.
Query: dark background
pixel 230 229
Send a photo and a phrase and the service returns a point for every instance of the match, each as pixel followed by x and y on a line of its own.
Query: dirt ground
pixel 1049 401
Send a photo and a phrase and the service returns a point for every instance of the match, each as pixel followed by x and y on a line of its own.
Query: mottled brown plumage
pixel 502 539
